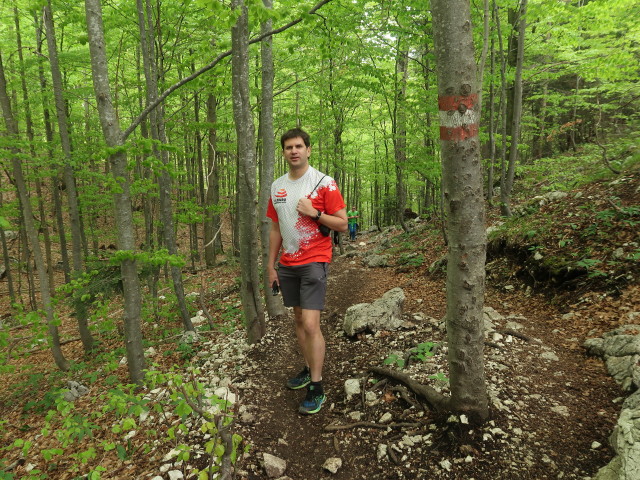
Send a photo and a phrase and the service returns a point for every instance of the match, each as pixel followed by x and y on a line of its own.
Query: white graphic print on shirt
pixel 300 234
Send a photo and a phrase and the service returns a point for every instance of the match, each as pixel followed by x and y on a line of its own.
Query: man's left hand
pixel 306 208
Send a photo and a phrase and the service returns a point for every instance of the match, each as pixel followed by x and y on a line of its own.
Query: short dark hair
pixel 295 133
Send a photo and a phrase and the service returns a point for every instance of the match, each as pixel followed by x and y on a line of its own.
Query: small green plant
pixel 69 432
pixel 423 351
pixel 439 377
pixel 563 242
pixel 186 351
pixel 606 217
pixel 394 359
pixel 411 259
pixel 589 264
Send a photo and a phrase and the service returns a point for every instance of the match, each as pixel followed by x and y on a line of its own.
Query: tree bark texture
pixel 44 224
pixel 69 178
pixel 275 307
pixel 400 132
pixel 516 115
pixel 122 197
pixel 250 288
pixel 464 204
pixel 55 191
pixel 158 133
pixel 212 217
pixel 27 216
pixel 6 259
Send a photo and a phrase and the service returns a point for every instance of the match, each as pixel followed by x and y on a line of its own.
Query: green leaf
pixel 122 452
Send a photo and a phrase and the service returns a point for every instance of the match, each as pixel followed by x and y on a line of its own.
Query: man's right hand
pixel 273 276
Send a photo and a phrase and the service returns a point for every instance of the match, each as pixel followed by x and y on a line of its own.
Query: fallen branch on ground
pixel 516 334
pixel 383 426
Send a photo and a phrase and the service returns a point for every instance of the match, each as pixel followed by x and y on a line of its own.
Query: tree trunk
pixel 275 307
pixel 400 132
pixel 44 224
pixel 492 128
pixel 212 215
pixel 250 288
pixel 464 203
pixel 503 103
pixel 55 191
pixel 30 227
pixel 505 193
pixel 6 259
pixel 164 179
pixel 69 180
pixel 122 198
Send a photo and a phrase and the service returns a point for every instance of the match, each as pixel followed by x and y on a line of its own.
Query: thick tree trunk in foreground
pixel 122 198
pixel 250 288
pixel 464 201
pixel 32 232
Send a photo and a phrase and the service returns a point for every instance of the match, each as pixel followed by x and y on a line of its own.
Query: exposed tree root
pixel 435 399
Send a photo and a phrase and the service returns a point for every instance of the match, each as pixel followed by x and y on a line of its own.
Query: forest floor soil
pixel 552 407
pixel 544 420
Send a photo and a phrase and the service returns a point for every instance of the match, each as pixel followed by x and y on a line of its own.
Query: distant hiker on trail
pixel 352 217
pixel 305 205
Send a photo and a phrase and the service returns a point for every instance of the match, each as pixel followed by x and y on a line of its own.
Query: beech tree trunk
pixel 248 238
pixel 275 307
pixel 55 191
pixel 464 204
pixel 32 232
pixel 503 103
pixel 164 178
pixel 212 215
pixel 492 127
pixel 6 259
pixel 122 197
pixel 44 224
pixel 516 116
pixel 400 132
pixel 69 179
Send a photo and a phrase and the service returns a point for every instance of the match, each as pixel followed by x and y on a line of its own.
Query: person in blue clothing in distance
pixel 352 217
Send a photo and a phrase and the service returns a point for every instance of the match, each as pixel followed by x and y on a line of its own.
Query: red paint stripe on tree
pixel 452 102
pixel 459 133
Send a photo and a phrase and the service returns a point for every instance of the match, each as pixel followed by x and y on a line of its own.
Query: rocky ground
pixel 553 406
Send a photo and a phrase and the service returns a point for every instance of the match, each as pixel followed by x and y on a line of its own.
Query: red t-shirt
pixel 302 241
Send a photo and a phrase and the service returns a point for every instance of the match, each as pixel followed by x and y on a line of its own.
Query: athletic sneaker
pixel 312 402
pixel 301 380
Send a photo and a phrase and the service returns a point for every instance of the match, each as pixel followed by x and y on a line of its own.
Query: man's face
pixel 296 153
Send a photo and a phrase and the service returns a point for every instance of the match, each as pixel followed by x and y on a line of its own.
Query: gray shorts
pixel 304 286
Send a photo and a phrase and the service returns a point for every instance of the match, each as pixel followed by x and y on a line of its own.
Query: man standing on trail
pixel 352 217
pixel 304 206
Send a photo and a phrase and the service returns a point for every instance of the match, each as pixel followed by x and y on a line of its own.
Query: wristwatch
pixel 318 215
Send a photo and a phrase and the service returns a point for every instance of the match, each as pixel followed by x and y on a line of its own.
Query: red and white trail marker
pixel 458 118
